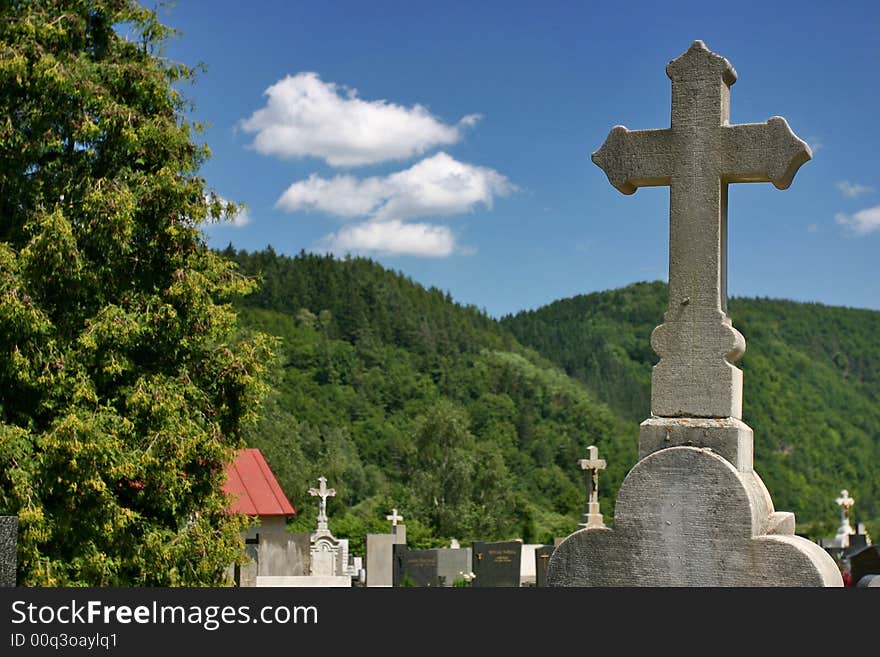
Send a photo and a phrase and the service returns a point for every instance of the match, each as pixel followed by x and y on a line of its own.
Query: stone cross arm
pixel 593 462
pixel 762 152
pixel 749 152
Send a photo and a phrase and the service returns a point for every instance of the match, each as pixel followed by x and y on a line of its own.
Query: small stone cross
pixel 698 157
pixel 394 518
pixel 592 464
pixel 845 502
pixel 323 492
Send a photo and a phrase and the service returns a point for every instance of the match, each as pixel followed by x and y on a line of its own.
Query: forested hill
pixel 811 386
pixel 403 398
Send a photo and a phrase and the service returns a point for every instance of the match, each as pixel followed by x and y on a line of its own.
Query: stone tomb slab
pixel 415 567
pixel 452 564
pixel 307 581
pixel 496 564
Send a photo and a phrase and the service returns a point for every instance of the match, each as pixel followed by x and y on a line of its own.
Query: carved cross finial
pixel 698 157
pixel 394 518
pixel 591 466
pixel 323 492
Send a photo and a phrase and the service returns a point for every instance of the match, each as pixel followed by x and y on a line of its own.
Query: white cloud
pixel 853 190
pixel 814 144
pixel 305 116
pixel 392 238
pixel 438 185
pixel 862 222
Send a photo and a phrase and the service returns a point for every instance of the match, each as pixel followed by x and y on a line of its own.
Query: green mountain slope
pixel 402 398
pixel 811 386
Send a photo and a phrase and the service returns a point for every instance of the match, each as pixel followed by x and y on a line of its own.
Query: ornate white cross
pixel 697 157
pixel 323 492
pixel 394 518
pixel 591 465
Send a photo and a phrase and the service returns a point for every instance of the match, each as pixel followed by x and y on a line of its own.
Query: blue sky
pixel 451 141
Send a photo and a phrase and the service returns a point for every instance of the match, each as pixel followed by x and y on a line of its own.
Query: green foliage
pixel 411 401
pixel 124 386
pixel 812 386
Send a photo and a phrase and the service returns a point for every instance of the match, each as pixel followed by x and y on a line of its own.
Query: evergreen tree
pixel 123 386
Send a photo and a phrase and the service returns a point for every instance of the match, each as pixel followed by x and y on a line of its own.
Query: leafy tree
pixel 123 384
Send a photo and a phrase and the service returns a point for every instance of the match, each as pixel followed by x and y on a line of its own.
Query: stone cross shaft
pixel 323 492
pixel 591 465
pixel 697 158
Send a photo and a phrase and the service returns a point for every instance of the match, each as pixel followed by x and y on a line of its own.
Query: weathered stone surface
pixel 686 517
pixel 284 553
pixel 8 549
pixel 697 157
pixel 733 439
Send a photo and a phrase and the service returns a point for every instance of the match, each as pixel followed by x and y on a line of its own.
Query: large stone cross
pixel 591 465
pixel 323 492
pixel 693 511
pixel 697 157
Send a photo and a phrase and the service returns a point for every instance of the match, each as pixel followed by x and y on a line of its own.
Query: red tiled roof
pixel 253 488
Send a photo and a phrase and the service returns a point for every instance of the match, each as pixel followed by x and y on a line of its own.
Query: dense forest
pixel 402 398
pixel 811 386
pixel 473 427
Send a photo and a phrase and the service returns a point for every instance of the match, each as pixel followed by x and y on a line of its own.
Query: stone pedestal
pixel 685 516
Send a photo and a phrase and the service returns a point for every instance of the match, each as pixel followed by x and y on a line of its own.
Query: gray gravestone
pixel 284 554
pixel 693 512
pixel 452 564
pixel 380 552
pixel 542 560
pixel 415 567
pixel 8 548
pixel 496 564
pixel 380 556
pixel 864 562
